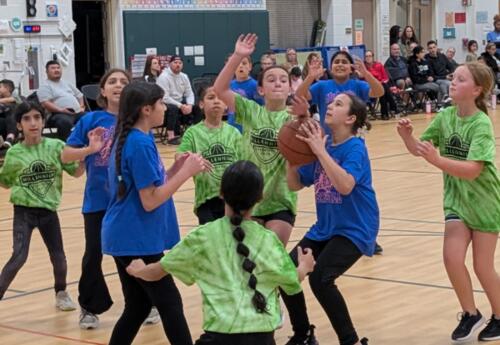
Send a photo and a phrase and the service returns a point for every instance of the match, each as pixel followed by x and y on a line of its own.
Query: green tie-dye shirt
pixel 220 146
pixel 260 145
pixel 35 173
pixel 476 202
pixel 207 256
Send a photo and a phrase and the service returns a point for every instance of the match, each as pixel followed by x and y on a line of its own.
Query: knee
pixel 320 280
pixel 483 270
pixel 452 260
pixel 58 257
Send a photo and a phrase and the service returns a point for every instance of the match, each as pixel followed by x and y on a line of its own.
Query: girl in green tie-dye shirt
pixel 460 141
pixel 278 207
pixel 219 143
pixel 237 264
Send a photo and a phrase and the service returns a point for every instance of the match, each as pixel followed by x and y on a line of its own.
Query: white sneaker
pixel 64 302
pixel 153 317
pixel 88 320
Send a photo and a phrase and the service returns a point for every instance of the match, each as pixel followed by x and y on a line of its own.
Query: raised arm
pixel 376 88
pixel 405 131
pixel 315 71
pixel 96 142
pixel 245 46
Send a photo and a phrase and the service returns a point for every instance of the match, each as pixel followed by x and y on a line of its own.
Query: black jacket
pixel 440 65
pixel 490 61
pixel 419 70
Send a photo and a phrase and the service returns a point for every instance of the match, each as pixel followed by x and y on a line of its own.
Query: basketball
pixel 293 149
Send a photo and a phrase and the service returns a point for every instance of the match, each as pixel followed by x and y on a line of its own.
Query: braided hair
pixel 134 97
pixel 241 187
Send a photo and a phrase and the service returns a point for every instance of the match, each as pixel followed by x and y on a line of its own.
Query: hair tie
pixel 120 178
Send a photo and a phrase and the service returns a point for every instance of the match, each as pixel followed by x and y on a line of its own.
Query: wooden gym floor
pixel 400 297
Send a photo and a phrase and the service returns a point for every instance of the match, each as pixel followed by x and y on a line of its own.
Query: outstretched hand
pixel 316 70
pixel 299 107
pixel 96 139
pixel 245 45
pixel 360 68
pixel 427 150
pixel 405 128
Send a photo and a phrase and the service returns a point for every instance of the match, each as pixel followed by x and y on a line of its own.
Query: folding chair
pixel 90 94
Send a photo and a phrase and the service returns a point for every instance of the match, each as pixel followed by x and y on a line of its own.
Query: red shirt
pixel 378 71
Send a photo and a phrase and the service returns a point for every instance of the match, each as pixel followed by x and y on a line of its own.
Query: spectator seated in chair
pixel 62 99
pixel 8 102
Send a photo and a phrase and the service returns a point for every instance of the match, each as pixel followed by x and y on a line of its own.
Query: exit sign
pixel 32 28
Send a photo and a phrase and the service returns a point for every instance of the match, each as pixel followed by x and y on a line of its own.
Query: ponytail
pixel 120 139
pixel 258 300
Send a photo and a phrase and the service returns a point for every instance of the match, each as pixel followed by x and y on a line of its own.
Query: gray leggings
pixel 25 220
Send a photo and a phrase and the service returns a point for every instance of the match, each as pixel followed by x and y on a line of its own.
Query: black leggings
pixel 93 293
pixel 333 258
pixel 140 296
pixel 47 222
pixel 212 338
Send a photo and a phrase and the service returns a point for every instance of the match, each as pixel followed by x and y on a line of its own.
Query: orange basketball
pixel 293 149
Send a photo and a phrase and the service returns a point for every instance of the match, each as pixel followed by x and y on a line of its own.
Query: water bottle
pixel 493 100
pixel 428 107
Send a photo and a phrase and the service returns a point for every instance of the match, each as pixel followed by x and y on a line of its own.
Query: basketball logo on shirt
pixel 265 144
pixel 324 191
pixel 220 157
pixel 455 147
pixel 38 178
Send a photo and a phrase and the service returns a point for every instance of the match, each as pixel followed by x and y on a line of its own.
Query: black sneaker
pixel 378 249
pixel 308 339
pixel 174 141
pixel 467 325
pixel 491 331
pixel 364 341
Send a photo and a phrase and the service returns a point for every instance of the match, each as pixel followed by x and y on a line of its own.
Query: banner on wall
pixel 193 4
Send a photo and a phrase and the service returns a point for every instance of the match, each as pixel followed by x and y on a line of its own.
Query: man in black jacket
pixel 442 69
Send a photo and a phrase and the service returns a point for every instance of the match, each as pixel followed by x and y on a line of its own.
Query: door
pixel 362 23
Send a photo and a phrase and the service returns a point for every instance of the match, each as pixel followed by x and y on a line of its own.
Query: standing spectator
pixel 472 49
pixel 62 99
pixel 421 74
pixel 397 68
pixel 152 69
pixel 450 54
pixel 387 102
pixel 442 70
pixel 179 98
pixel 394 34
pixel 407 38
pixel 494 36
pixel 295 78
pixel 314 59
pixel 291 58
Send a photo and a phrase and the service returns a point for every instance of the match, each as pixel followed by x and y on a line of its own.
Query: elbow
pixel 345 190
pixel 64 157
pixel 472 175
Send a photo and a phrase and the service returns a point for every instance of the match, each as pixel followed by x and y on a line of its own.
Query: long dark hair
pixel 241 187
pixel 147 69
pixel 394 36
pixel 134 97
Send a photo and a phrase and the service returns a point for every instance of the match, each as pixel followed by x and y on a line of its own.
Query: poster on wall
pixel 460 17
pixel 449 33
pixel 482 17
pixel 51 10
pixel 449 21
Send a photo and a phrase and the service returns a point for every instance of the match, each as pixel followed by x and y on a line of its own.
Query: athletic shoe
pixel 467 325
pixel 364 341
pixel 308 339
pixel 88 320
pixel 378 249
pixel 64 302
pixel 153 317
pixel 174 141
pixel 491 331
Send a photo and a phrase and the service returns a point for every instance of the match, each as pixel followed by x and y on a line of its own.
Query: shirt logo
pixel 455 147
pixel 102 157
pixel 265 144
pixel 221 157
pixel 325 193
pixel 38 178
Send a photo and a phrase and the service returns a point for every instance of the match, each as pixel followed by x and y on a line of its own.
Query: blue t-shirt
pixel 96 196
pixel 494 36
pixel 247 89
pixel 324 91
pixel 127 228
pixel 355 216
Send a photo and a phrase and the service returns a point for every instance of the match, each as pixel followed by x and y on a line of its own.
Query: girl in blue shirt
pixel 347 214
pixel 140 222
pixel 90 141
